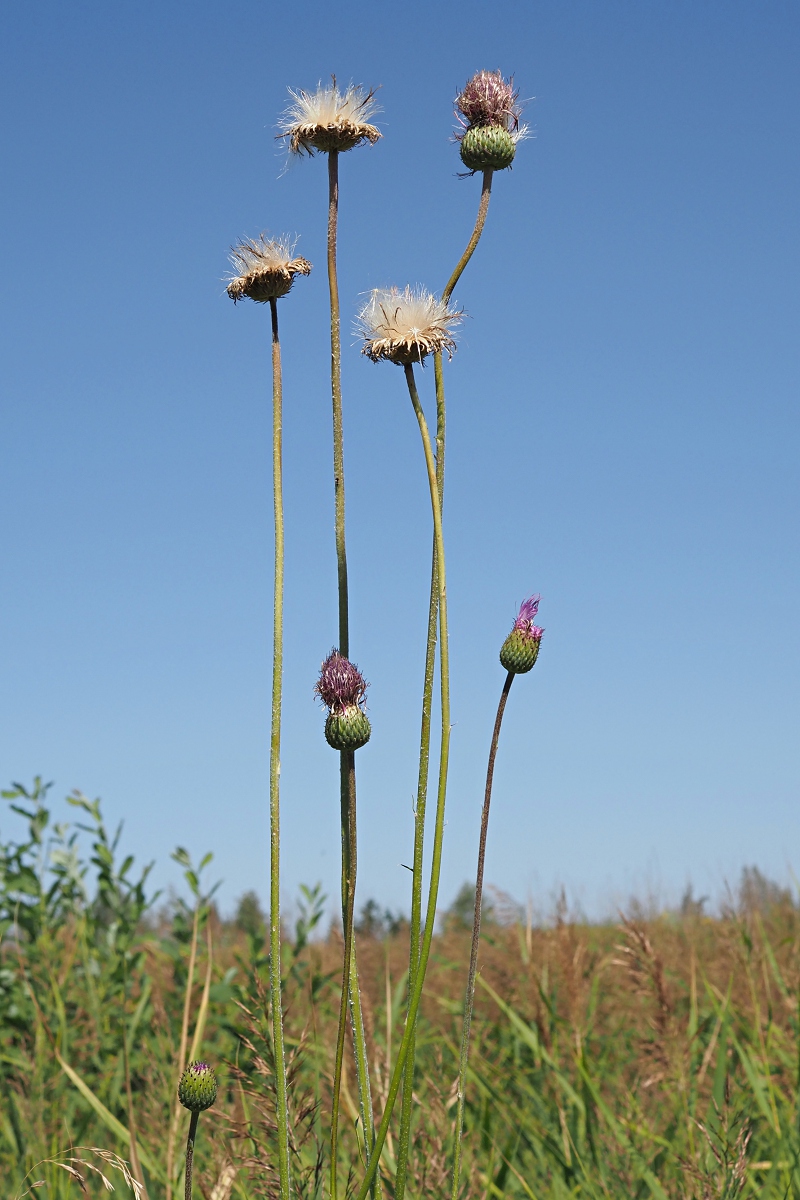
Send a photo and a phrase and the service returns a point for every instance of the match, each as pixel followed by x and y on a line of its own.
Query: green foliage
pixel 659 1059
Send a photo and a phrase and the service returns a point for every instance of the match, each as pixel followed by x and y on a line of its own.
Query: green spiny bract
pixel 197 1089
pixel 348 729
pixel 488 148
pixel 519 652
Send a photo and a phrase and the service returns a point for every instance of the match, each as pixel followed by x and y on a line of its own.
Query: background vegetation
pixel 654 1057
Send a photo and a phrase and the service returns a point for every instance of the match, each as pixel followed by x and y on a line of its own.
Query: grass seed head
pixel 330 119
pixel 406 326
pixel 265 269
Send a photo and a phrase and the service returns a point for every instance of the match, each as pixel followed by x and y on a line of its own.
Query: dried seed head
pixel 488 99
pixel 328 119
pixel 521 648
pixel 340 685
pixel 197 1089
pixel 265 269
pixel 404 327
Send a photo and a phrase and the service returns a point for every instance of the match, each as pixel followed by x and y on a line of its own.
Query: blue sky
pixel 623 435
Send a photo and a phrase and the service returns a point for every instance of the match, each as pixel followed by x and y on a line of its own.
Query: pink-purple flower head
pixel 524 620
pixel 488 99
pixel 520 650
pixel 341 685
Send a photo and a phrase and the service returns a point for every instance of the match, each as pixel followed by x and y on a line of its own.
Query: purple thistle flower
pixel 524 620
pixel 488 99
pixel 340 685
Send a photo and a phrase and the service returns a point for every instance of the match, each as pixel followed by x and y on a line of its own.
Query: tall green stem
pixel 347 786
pixel 427 704
pixel 348 819
pixel 444 756
pixel 336 396
pixel 476 937
pixel 282 1107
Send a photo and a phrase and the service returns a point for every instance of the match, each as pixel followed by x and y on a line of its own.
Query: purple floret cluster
pixel 340 684
pixel 524 621
pixel 489 99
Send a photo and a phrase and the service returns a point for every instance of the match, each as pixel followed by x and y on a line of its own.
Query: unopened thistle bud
pixel 265 269
pixel 521 648
pixel 488 113
pixel 328 119
pixel 341 687
pixel 406 326
pixel 197 1089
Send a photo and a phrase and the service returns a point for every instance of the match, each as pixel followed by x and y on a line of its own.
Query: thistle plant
pixel 518 655
pixel 197 1091
pixel 487 100
pixel 332 121
pixel 266 272
pixel 404 327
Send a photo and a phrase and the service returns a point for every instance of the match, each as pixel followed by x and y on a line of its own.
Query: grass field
pixel 657 1056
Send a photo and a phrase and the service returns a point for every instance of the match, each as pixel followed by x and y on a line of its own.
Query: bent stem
pixel 427 704
pixel 345 768
pixel 476 937
pixel 444 756
pixel 282 1107
pixel 187 1188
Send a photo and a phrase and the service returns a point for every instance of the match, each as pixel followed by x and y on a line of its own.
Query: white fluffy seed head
pixel 329 119
pixel 264 268
pixel 405 326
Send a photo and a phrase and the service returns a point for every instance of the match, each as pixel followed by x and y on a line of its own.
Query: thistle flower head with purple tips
pixel 524 619
pixel 340 685
pixel 488 99
pixel 521 648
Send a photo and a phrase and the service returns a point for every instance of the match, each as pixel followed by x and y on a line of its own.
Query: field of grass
pixel 657 1056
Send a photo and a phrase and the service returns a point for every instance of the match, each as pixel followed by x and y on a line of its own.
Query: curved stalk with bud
pixel 518 655
pixel 487 100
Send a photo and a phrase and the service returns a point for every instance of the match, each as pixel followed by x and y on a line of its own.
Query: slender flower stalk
pixel 518 654
pixel 333 121
pixel 444 755
pixel 266 272
pixel 342 689
pixel 282 1105
pixel 406 1110
pixel 197 1091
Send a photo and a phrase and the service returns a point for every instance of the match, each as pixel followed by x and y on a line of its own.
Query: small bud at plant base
pixel 521 648
pixel 265 269
pixel 328 119
pixel 341 687
pixel 405 327
pixel 197 1089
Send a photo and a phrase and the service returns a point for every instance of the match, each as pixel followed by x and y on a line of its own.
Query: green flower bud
pixel 197 1089
pixel 348 729
pixel 521 648
pixel 488 148
pixel 519 652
